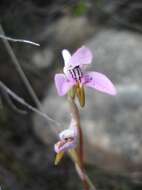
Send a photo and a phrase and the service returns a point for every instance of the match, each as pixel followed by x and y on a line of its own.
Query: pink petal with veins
pixel 99 82
pixel 62 84
pixel 81 57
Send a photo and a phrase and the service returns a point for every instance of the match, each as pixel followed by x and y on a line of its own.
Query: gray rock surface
pixel 111 125
pixel 60 35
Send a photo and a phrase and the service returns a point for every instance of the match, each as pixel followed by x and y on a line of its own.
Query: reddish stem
pixel 81 157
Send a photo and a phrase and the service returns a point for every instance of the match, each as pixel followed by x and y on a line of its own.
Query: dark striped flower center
pixel 76 73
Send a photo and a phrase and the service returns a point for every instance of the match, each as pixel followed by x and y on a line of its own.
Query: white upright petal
pixel 67 133
pixel 66 56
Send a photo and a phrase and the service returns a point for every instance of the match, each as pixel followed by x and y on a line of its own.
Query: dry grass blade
pixel 10 103
pixel 18 40
pixel 23 102
pixel 19 69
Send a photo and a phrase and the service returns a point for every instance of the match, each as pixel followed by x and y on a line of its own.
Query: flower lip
pixel 65 144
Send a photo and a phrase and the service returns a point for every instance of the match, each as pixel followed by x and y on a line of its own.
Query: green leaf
pixel 80 9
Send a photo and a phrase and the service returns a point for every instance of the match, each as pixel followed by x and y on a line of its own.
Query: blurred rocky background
pixel 111 125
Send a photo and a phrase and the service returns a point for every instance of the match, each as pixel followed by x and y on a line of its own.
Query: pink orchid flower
pixel 74 75
pixel 68 139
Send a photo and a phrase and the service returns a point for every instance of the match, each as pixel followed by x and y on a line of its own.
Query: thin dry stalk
pixel 78 156
pixel 19 69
